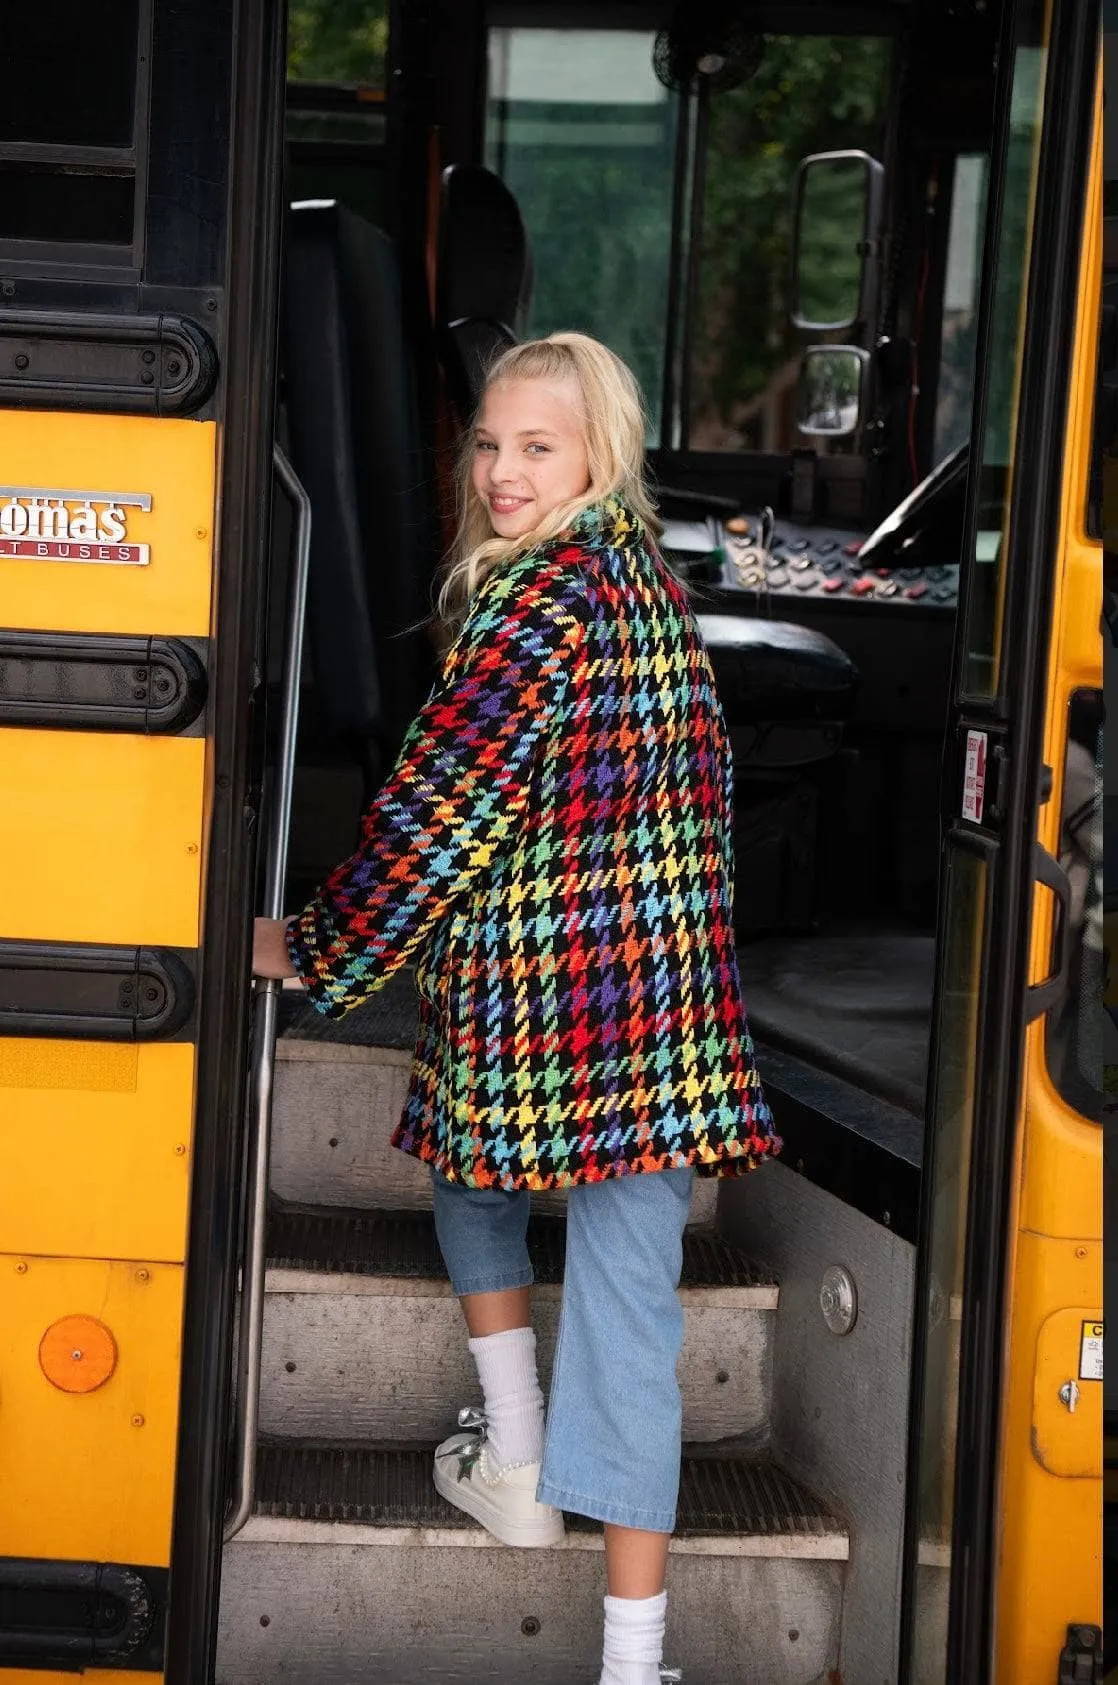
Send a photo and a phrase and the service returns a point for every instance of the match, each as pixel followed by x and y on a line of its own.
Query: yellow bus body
pixel 102 838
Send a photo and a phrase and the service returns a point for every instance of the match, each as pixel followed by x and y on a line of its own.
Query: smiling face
pixel 529 452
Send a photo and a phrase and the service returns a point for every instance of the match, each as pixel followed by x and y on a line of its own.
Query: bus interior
pixel 804 335
pixel 562 167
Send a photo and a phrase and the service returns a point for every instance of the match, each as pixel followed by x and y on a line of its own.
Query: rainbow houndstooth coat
pixel 554 846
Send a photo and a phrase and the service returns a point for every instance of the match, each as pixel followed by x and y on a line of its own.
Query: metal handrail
pixel 251 1330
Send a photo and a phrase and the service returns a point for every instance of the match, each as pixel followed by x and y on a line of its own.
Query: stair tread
pixel 401 1243
pixel 722 1495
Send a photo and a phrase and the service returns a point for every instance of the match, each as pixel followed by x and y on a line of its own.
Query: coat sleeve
pixel 458 789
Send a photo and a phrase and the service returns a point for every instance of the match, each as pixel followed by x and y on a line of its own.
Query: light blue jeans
pixel 614 1420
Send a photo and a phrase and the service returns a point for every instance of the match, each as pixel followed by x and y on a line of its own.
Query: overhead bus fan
pixel 707 39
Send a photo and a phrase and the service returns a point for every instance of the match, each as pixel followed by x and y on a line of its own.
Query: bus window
pixel 982 658
pixel 332 42
pixel 337 62
pixel 584 135
pixel 808 94
pixel 82 96
pixel 955 385
pixel 70 163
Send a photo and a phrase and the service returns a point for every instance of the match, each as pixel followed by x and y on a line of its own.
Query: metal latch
pixel 1081 1657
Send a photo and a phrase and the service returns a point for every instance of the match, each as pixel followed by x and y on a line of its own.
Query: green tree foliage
pixel 338 41
pixel 810 94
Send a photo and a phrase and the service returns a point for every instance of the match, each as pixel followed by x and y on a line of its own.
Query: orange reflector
pixel 77 1354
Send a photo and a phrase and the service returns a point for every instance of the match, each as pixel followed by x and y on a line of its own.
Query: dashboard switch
pixel 862 587
pixel 916 591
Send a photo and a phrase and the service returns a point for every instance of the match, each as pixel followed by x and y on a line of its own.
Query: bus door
pixel 1002 1544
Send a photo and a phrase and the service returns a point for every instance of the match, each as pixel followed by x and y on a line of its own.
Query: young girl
pixel 555 845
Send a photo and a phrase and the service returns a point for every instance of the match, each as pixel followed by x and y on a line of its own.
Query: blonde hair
pixel 615 435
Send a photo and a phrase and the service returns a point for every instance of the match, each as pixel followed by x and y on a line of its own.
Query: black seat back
pixel 484 278
pixel 355 444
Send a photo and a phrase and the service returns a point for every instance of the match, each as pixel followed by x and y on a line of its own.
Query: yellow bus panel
pixel 172 463
pixel 88 1458
pixel 100 837
pixel 89 1676
pixel 95 1150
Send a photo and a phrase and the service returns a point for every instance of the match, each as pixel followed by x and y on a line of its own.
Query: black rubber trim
pixel 390 1486
pixel 142 365
pixel 69 1615
pixel 73 991
pixel 862 1150
pixel 402 1244
pixel 90 682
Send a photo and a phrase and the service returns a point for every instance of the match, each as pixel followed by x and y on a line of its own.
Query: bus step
pixel 722 1494
pixel 363 1338
pixel 354 1572
pixel 403 1243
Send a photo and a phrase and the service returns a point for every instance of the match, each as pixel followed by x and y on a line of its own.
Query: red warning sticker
pixel 974 777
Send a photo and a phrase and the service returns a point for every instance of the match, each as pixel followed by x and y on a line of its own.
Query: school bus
pixel 252 266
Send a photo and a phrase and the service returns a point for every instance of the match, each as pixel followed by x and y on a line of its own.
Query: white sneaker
pixel 502 1498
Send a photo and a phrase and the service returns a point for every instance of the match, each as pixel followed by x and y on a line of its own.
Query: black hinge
pixel 88 682
pixel 153 365
pixel 68 1615
pixel 76 992
pixel 1081 1657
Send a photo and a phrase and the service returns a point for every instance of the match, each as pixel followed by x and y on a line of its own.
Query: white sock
pixel 633 1641
pixel 506 1367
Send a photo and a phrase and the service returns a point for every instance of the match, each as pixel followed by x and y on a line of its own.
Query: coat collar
pixel 607 525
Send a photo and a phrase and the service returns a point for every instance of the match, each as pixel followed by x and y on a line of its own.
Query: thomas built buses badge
pixel 71 526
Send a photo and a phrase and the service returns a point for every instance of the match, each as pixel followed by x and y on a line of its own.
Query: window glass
pixel 1007 325
pixel 965 235
pixel 1102 491
pixel 815 93
pixel 69 73
pixel 338 41
pixel 582 132
pixel 40 204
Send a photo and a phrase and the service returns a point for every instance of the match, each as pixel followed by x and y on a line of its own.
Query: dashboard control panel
pixel 775 559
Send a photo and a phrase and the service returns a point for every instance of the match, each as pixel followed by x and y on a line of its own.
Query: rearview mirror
pixel 836 209
pixel 831 391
